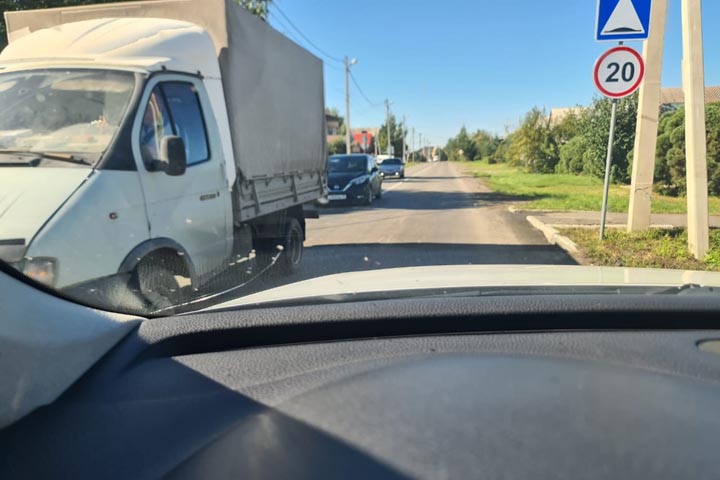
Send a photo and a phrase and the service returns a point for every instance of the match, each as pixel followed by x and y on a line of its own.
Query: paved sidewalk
pixel 613 219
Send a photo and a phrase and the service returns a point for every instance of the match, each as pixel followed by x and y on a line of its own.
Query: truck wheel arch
pixel 149 247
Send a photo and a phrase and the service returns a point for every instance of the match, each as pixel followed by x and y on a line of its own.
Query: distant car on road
pixel 353 178
pixel 392 168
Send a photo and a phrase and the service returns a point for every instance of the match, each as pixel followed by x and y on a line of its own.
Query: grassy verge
pixel 652 249
pixel 567 192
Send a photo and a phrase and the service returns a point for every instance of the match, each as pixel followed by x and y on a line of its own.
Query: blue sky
pixel 478 63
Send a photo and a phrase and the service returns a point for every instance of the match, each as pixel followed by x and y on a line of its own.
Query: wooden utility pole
pixel 695 138
pixel 647 122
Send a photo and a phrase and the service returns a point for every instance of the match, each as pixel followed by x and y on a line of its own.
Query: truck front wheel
pixel 156 279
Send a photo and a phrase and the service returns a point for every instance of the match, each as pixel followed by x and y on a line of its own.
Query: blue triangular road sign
pixel 619 20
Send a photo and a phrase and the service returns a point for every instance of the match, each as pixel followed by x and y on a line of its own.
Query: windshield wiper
pixel 35 157
pixel 18 159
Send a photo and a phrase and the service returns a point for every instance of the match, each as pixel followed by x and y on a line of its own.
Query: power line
pixel 357 85
pixel 335 59
pixel 285 29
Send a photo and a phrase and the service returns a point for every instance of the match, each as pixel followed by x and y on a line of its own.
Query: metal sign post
pixel 608 166
pixel 618 73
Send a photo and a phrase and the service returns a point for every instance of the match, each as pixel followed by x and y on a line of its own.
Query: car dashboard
pixel 512 387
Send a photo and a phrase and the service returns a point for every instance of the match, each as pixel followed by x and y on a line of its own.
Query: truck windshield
pixel 347 164
pixel 63 111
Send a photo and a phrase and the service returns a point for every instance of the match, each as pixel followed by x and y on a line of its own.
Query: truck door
pixel 191 209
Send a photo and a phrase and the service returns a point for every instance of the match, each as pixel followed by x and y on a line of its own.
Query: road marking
pixel 394 186
pixel 404 180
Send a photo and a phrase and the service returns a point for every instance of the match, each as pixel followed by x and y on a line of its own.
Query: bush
pixel 670 157
pixel 572 156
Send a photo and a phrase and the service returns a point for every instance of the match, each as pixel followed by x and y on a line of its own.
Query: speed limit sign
pixel 619 72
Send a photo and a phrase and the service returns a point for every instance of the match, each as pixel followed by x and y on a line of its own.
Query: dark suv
pixel 353 178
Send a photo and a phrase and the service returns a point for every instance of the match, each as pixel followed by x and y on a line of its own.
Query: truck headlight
pixel 41 269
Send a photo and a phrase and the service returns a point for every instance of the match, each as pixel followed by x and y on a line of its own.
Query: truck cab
pixel 116 144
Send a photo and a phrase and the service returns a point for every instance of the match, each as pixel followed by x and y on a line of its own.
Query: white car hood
pixel 30 195
pixel 474 276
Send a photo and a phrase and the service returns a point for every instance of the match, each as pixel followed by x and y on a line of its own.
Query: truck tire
pixel 293 248
pixel 155 278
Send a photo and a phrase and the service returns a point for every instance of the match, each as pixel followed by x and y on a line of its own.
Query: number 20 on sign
pixel 619 72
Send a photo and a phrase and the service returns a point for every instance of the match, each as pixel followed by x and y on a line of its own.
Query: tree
pixel 485 144
pixel 670 162
pixel 259 8
pixel 396 134
pixel 596 129
pixel 337 146
pixel 582 140
pixel 442 154
pixel 566 129
pixel 501 152
pixel 533 145
pixel 461 147
pixel 573 155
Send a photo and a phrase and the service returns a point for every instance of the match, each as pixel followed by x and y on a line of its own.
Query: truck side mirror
pixel 173 156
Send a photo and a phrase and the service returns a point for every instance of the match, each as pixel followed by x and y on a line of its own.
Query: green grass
pixel 568 192
pixel 655 248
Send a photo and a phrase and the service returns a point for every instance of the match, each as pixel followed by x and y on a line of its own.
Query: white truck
pixel 149 142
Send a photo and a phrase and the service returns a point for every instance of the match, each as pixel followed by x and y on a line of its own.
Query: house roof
pixel 372 130
pixel 557 115
pixel 669 96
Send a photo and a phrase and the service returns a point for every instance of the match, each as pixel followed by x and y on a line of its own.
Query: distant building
pixel 364 139
pixel 670 98
pixel 332 125
pixel 557 115
pixel 675 97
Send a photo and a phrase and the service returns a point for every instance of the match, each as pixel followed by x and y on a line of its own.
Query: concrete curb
pixel 556 238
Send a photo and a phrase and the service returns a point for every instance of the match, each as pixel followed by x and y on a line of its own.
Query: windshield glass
pixel 348 164
pixel 493 147
pixel 73 111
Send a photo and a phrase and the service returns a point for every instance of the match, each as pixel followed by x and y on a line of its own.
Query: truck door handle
pixel 209 196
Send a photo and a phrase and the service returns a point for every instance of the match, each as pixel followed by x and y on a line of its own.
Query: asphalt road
pixel 437 215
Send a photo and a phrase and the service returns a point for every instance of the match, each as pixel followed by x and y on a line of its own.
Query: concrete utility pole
pixel 695 138
pixel 647 122
pixel 403 139
pixel 348 141
pixel 412 147
pixel 387 116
